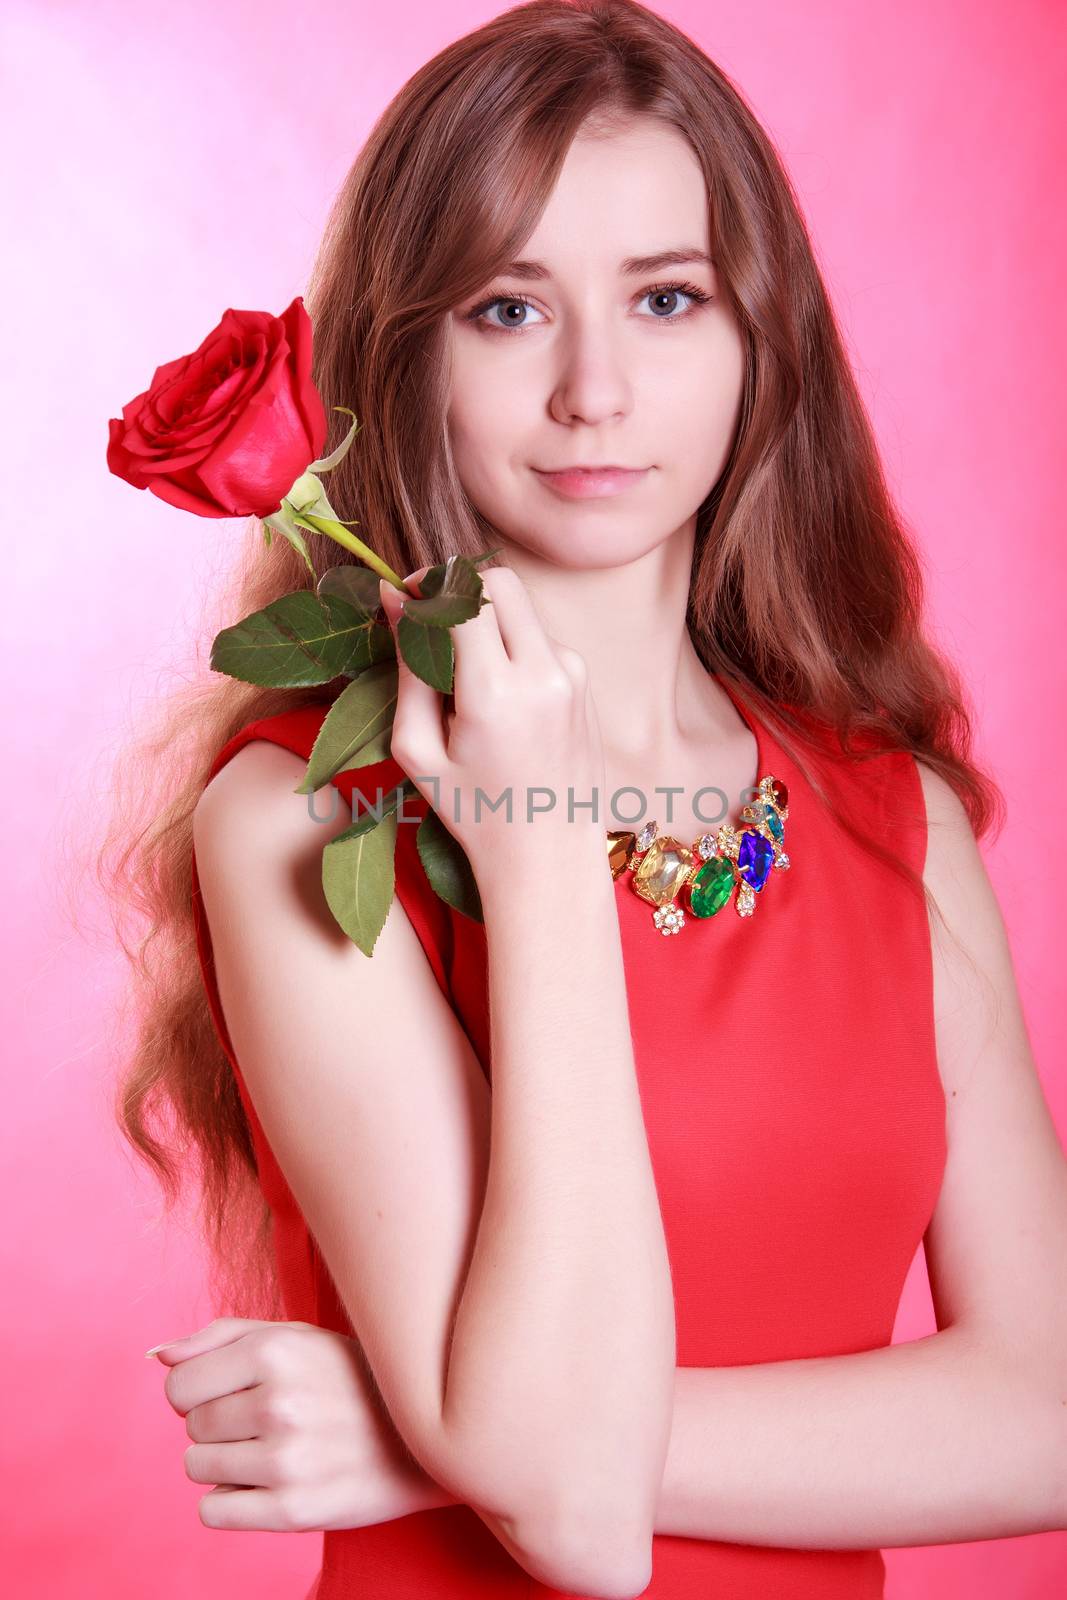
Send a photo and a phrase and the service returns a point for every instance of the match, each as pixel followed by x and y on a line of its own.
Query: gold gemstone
pixel 664 868
pixel 620 848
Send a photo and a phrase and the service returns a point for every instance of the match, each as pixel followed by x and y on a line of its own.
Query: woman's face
pixel 606 364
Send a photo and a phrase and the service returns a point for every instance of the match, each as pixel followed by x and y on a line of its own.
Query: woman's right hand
pixel 523 720
pixel 288 1425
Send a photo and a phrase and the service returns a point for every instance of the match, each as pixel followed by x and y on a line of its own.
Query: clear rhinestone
pixel 728 840
pixel 669 918
pixel 646 836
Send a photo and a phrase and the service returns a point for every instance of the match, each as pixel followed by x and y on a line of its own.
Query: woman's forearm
pixel 562 1360
pixel 931 1442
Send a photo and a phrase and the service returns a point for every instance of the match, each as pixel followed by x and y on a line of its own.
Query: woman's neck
pixel 653 694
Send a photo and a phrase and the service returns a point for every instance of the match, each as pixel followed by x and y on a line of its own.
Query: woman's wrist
pixel 566 859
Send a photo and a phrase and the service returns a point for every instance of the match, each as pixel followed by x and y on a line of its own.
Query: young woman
pixel 590 1235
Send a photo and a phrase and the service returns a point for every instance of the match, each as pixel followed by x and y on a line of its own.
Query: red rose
pixel 226 431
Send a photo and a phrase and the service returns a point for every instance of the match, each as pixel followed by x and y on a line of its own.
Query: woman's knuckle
pixel 279 1409
pixel 286 1336
pixel 400 740
pixel 272 1351
pixel 557 685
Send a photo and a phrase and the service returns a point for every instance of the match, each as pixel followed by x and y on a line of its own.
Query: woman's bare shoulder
pixel 254 796
pixel 258 844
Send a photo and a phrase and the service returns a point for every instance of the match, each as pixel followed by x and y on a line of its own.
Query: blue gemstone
pixel 755 858
pixel 773 820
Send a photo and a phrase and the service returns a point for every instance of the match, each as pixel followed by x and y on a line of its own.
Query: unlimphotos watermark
pixel 534 806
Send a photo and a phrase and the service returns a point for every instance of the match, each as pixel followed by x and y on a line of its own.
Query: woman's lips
pixel 583 484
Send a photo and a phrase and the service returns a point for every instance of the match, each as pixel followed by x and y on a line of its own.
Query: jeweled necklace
pixel 700 878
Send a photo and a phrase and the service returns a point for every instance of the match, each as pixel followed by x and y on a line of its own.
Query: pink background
pixel 166 162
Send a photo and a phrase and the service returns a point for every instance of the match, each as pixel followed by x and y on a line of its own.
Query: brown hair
pixel 806 594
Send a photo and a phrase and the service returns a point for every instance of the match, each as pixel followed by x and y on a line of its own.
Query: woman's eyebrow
pixel 684 256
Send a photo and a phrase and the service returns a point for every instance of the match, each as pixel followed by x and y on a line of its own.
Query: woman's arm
pixel 934 1441
pixel 561 1359
pixel 566 1326
pixel 501 1257
pixel 523 1344
pixel 963 1434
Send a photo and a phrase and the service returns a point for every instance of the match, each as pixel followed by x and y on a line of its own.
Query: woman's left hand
pixel 287 1423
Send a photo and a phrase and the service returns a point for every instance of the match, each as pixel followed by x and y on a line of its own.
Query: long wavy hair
pixel 806 591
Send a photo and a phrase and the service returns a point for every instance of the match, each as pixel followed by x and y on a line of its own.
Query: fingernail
pixel 156 1348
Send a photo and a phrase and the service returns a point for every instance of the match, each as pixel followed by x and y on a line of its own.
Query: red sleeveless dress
pixel 796 1124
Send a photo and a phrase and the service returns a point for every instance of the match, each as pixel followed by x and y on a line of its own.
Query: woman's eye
pixel 514 302
pixel 670 292
pixel 519 308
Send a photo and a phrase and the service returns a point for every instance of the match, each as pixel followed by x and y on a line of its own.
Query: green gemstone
pixel 710 889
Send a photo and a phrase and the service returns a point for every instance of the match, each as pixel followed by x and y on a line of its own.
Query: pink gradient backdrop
pixel 163 163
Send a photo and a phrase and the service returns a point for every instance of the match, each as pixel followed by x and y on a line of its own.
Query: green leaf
pixel 354 583
pixel 428 652
pixel 371 642
pixel 362 712
pixel 447 867
pixel 390 801
pixel 475 561
pixel 377 749
pixel 451 594
pixel 301 640
pixel 359 878
pixel 359 870
pixel 433 578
